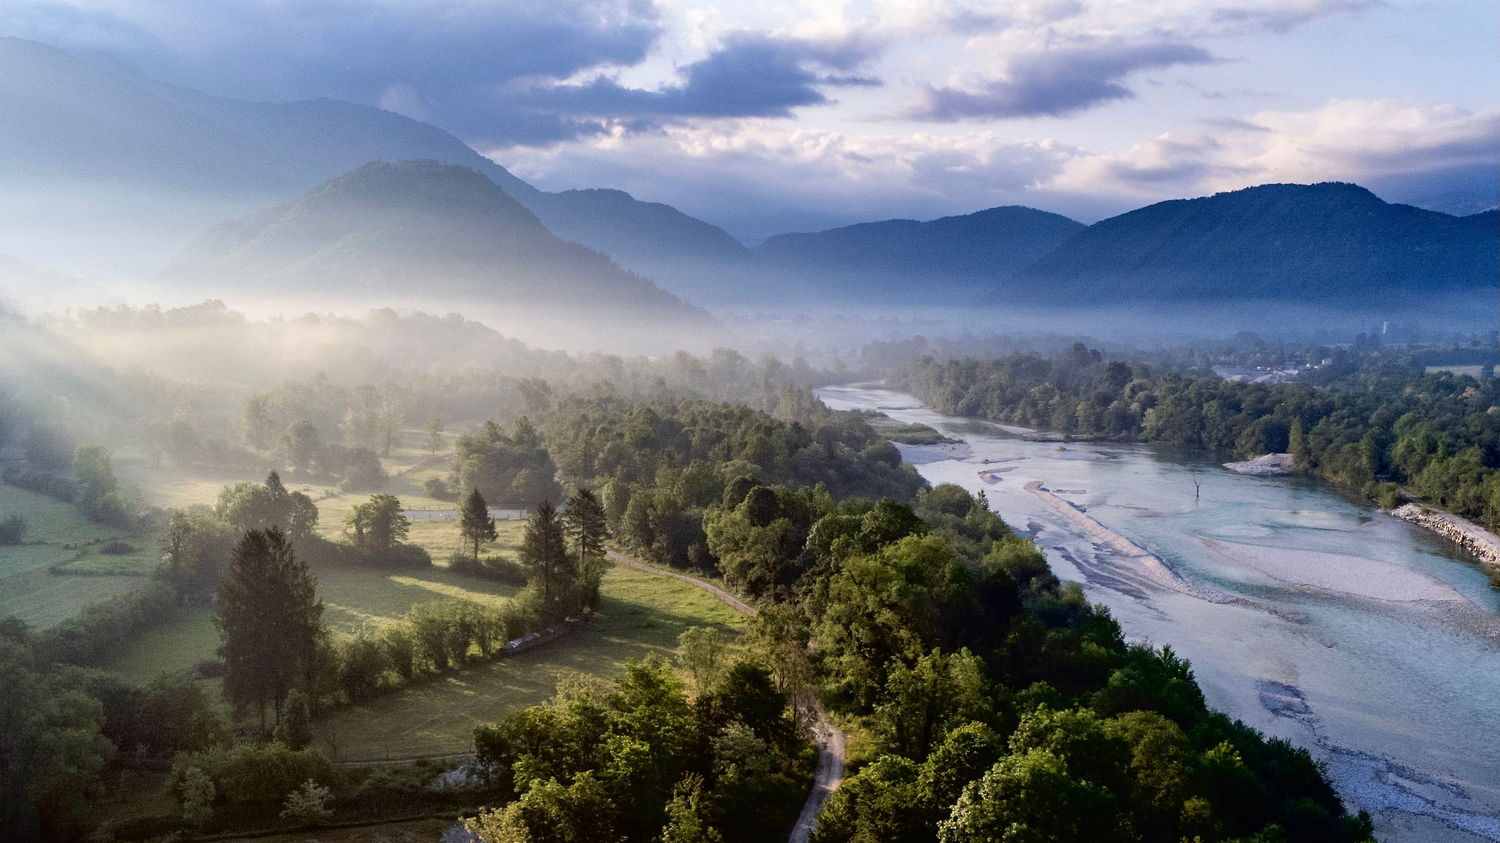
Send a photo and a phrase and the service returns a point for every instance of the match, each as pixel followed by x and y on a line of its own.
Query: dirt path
pixel 742 606
pixel 830 771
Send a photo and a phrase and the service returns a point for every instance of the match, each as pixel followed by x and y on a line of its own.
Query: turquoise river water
pixel 1307 615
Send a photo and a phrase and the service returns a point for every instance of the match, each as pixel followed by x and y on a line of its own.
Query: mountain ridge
pixel 1323 243
pixel 426 230
pixel 106 138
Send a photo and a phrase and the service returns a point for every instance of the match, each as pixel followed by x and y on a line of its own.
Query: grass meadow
pixel 58 536
pixel 640 613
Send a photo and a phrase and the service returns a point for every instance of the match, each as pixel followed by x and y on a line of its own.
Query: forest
pixel 987 691
pixel 1368 423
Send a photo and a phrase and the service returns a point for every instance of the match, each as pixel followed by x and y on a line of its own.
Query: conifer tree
pixel 269 620
pixel 587 526
pixel 475 523
pixel 544 552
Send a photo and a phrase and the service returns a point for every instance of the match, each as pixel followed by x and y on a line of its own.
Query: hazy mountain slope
pixel 1324 243
pixel 160 160
pixel 424 231
pixel 649 237
pixel 946 256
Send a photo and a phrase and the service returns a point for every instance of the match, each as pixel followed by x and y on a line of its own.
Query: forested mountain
pixel 164 159
pixel 423 230
pixel 1330 243
pixel 109 171
pixel 948 255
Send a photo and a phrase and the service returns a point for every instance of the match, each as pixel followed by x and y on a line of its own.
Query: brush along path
pixel 830 772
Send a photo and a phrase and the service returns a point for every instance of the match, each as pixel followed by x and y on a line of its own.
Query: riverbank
pixel 1461 531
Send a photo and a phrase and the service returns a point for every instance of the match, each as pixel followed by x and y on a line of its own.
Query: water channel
pixel 1308 615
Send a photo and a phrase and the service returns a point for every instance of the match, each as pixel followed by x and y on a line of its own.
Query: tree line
pixel 1374 430
pixel 993 703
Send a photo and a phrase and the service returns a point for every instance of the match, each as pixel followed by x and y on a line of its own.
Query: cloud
pixel 1054 82
pixel 758 178
pixel 1285 16
pixel 495 73
pixel 749 75
pixel 442 59
pixel 1364 141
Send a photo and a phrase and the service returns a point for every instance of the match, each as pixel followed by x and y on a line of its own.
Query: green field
pixel 57 535
pixel 352 598
pixel 639 614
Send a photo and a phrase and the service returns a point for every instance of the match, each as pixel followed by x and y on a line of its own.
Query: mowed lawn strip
pixel 640 614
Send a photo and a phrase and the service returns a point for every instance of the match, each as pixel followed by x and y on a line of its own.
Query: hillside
pixel 947 256
pixel 147 163
pixel 1330 243
pixel 684 254
pixel 420 231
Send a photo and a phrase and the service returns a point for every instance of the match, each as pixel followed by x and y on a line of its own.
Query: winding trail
pixel 830 771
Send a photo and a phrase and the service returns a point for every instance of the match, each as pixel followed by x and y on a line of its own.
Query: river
pixel 1312 617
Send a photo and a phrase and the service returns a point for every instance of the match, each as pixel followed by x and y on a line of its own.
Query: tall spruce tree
pixel 269 620
pixel 475 523
pixel 588 527
pixel 544 551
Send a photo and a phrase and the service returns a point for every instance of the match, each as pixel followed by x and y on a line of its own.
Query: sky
pixel 766 116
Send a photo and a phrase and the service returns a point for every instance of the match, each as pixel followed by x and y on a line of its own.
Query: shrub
pixel 12 530
pixel 253 773
pixel 99 628
pixel 52 485
pixel 363 663
pixel 295 727
pixel 308 804
pixel 116 547
pixel 437 487
pixel 403 556
pixel 497 568
pixel 197 795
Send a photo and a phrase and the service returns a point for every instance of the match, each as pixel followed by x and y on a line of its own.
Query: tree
pixel 507 468
pixel 197 796
pixel 96 477
pixel 250 506
pixel 686 815
pixel 379 524
pixel 586 524
pixel 434 436
pixel 269 621
pixel 302 445
pixel 544 552
pixel 588 528
pixel 295 728
pixel 1031 796
pixel 52 752
pixel 196 548
pixel 12 530
pixel 700 649
pixel 475 523
pixel 308 804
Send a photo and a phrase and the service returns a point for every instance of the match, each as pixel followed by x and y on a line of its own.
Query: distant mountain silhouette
pixel 911 260
pixel 1330 243
pixel 685 254
pixel 162 159
pixel 427 231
